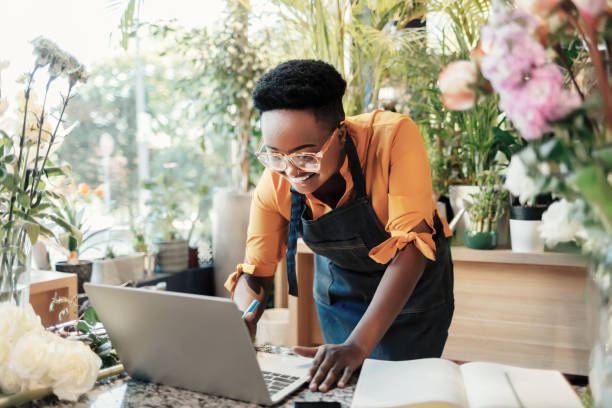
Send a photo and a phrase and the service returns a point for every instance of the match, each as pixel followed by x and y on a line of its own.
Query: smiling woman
pixel 358 191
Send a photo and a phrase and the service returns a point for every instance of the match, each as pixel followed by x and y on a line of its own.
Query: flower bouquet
pixel 549 62
pixel 29 134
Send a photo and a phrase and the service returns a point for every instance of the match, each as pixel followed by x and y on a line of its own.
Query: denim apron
pixel 346 278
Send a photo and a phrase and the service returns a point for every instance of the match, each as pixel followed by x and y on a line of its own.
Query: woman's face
pixel 289 131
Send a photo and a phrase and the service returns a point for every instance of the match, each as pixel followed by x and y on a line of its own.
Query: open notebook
pixel 440 383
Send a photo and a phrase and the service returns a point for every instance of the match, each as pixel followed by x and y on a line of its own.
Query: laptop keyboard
pixel 277 382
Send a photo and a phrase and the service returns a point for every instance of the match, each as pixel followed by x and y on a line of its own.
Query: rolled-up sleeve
pixel 267 234
pixel 410 196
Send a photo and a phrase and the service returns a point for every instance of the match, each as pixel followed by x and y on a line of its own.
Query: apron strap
pixel 355 167
pixel 297 204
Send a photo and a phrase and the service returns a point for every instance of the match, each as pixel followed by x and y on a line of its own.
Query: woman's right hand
pixel 249 288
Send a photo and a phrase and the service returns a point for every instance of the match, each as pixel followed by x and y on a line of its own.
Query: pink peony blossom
pixel 590 8
pixel 456 81
pixel 530 88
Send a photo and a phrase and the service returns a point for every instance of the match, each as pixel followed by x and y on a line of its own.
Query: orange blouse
pixel 398 181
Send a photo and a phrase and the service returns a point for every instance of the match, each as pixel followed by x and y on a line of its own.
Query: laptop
pixel 195 342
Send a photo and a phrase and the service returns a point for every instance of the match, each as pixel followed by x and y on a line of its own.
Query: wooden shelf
pixel 461 253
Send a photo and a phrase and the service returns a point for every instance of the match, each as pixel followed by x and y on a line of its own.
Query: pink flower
pixel 455 82
pixel 541 8
pixel 540 100
pixel 530 89
pixel 590 8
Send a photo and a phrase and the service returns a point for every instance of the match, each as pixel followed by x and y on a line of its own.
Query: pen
pixel 251 308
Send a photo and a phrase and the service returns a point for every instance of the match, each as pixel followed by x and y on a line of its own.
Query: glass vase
pixel 15 261
pixel 599 315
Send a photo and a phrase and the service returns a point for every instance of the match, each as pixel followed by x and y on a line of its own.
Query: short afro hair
pixel 303 84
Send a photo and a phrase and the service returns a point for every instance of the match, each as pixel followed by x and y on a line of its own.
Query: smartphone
pixel 317 404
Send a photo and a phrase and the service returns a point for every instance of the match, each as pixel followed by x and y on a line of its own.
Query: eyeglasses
pixel 310 162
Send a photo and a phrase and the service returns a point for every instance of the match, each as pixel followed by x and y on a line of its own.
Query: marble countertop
pixel 123 391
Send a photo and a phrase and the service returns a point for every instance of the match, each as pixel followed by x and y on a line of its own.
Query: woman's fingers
pixel 305 351
pixel 346 376
pixel 332 375
pixel 325 366
pixel 316 361
pixel 249 319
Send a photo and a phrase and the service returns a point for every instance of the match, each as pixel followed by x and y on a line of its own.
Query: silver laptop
pixel 194 342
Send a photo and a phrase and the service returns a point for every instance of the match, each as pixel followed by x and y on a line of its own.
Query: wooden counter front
pixel 520 309
pixel 43 285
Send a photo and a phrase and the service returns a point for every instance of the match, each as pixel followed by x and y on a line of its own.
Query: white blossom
pixel 557 224
pixel 518 181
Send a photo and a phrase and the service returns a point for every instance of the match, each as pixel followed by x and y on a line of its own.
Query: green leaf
pixel 605 155
pixel 90 316
pixel 24 200
pixel 83 327
pixel 33 230
pixel 9 183
pixel 592 183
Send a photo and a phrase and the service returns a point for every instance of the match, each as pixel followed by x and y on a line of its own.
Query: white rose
pixel 29 356
pixel 518 181
pixel 73 368
pixel 3 105
pixel 9 321
pixel 5 350
pixel 544 169
pixel 10 382
pixel 30 320
pixel 556 223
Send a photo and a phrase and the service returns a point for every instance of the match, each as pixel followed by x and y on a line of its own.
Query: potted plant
pixel 117 269
pixel 164 213
pixel 71 207
pixel 30 133
pixel 489 205
pixel 471 130
pixel 526 210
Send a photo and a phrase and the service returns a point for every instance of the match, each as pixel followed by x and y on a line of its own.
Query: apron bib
pixel 346 278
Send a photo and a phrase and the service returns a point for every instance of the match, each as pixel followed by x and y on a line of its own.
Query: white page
pixel 486 386
pixel 404 383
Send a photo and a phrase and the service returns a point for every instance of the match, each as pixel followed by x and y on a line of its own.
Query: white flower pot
pixel 230 220
pixel 119 270
pixel 525 236
pixel 273 327
pixel 524 225
pixel 172 256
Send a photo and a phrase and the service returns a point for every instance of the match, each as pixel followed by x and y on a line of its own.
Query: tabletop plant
pixel 71 206
pixel 30 132
pixel 489 204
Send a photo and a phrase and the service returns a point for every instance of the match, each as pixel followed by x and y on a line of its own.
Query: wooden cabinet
pixel 43 285
pixel 520 309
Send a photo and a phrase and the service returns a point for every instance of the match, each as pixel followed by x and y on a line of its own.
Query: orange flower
pixel 84 188
pixel 99 191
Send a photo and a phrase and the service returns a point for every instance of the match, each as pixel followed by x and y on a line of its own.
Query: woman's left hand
pixel 331 362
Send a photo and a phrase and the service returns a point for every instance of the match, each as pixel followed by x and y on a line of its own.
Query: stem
pixel 601 72
pixel 21 140
pixel 566 64
pixel 59 121
pixel 40 129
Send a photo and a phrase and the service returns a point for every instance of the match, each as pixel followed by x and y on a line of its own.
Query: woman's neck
pixel 332 190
